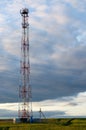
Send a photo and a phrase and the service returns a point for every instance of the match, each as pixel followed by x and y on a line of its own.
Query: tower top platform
pixel 24 11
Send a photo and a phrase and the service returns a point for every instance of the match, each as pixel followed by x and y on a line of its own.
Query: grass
pixel 49 124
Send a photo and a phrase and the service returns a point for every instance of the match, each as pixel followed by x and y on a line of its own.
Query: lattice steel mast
pixel 24 88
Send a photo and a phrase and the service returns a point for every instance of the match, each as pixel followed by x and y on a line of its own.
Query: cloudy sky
pixel 57 55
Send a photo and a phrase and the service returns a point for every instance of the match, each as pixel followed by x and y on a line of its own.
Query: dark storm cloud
pixel 66 77
pixel 7 113
pixel 49 114
pixel 10 114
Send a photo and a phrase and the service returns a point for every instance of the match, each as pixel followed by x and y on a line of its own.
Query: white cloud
pixel 53 39
pixel 2 19
pixel 71 106
pixel 79 5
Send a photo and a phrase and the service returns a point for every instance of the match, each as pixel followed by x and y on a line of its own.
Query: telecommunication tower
pixel 24 111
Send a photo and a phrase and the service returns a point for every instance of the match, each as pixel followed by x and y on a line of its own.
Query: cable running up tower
pixel 24 88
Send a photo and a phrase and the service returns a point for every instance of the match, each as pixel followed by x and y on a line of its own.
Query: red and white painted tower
pixel 24 112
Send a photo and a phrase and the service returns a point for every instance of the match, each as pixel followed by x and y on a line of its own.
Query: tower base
pixel 24 120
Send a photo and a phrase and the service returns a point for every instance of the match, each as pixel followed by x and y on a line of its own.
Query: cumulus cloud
pixel 77 4
pixel 57 48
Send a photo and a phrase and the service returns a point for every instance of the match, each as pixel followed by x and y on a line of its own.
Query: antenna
pixel 41 115
pixel 25 108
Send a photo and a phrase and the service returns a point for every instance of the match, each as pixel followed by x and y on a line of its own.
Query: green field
pixel 49 124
